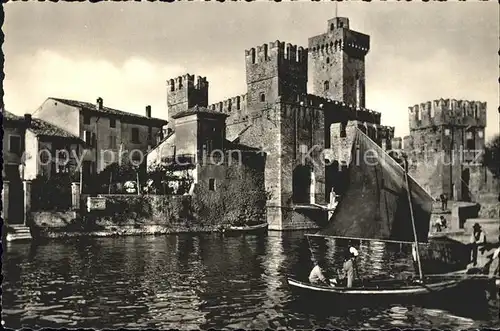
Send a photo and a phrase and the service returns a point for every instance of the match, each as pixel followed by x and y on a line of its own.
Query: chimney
pixel 148 111
pixel 27 119
pixel 98 105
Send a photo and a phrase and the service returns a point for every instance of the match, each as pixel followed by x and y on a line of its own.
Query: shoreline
pixel 42 233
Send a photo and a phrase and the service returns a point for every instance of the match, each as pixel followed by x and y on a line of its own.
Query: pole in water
pixel 412 218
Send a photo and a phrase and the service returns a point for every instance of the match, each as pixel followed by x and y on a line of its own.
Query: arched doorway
pixel 302 182
pixel 465 178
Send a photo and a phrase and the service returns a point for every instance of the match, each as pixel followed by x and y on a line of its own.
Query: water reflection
pixel 203 281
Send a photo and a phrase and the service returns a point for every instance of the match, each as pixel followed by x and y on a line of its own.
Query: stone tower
pixel 184 93
pixel 337 63
pixel 446 141
pixel 275 70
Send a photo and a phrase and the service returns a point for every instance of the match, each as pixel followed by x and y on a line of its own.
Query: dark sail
pixel 375 204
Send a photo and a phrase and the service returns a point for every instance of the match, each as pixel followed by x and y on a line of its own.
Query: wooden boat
pixel 387 288
pixel 250 229
pixel 388 210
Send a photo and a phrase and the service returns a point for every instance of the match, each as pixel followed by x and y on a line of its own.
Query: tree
pixel 492 156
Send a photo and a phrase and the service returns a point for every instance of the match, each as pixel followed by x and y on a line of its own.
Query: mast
pixel 412 219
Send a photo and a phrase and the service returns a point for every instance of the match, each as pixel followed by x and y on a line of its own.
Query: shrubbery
pixel 52 193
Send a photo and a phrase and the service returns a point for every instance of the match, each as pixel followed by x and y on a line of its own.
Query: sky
pixel 125 52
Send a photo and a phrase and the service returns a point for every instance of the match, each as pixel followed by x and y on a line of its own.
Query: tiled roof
pixel 7 115
pixel 43 128
pixel 199 110
pixel 106 110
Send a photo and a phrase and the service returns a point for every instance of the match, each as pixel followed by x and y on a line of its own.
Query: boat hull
pixel 254 229
pixel 396 289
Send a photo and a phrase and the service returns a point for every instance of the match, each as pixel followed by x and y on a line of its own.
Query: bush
pixel 492 156
pixel 52 193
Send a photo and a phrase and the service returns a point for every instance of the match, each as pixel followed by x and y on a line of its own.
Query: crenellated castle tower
pixel 337 63
pixel 307 138
pixel 275 70
pixel 446 143
pixel 184 92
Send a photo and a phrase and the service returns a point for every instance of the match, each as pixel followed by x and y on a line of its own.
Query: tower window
pixel 332 27
pixel 327 60
pixel 343 133
pixel 326 85
pixel 262 97
pixel 253 55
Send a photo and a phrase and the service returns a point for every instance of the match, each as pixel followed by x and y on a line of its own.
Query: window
pixel 87 136
pixel 446 132
pixel 112 142
pixel 86 119
pixel 326 85
pixel 327 60
pixel 112 123
pixel 342 130
pixel 262 97
pixel 211 184
pixel 332 27
pixel 15 144
pixel 135 135
pixel 480 133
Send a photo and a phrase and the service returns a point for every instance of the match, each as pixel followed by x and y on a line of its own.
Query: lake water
pixel 201 281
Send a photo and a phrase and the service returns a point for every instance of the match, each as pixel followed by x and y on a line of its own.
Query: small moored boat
pixel 250 229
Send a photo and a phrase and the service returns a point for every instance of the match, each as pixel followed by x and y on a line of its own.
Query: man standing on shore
pixel 477 241
pixel 444 201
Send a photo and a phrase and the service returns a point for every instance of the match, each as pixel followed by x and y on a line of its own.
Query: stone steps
pixel 18 232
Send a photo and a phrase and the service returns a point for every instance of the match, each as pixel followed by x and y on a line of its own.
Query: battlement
pixel 276 50
pixel 356 113
pixel 234 104
pixel 350 41
pixel 447 112
pixel 187 80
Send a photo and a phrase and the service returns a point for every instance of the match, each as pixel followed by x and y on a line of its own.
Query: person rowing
pixel 316 276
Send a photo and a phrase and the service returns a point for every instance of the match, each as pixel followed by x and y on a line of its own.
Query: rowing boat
pixel 380 288
pixel 251 229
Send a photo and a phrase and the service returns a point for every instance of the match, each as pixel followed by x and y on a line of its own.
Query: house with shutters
pixel 111 135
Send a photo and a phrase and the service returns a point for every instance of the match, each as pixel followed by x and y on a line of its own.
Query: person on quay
pixel 477 242
pixel 438 224
pixel 443 222
pixel 316 276
pixel 444 201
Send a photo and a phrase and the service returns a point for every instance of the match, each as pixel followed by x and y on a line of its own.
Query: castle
pixel 446 146
pixel 306 137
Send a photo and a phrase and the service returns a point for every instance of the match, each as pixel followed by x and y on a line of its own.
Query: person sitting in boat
pixel 477 242
pixel 316 276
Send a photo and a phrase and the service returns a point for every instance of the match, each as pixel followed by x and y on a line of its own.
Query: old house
pixel 111 135
pixel 13 145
